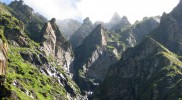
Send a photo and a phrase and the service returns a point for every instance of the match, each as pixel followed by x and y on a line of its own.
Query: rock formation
pixel 55 45
pixel 92 59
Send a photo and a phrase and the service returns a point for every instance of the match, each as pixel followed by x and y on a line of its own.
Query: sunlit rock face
pixel 3 57
pixel 55 45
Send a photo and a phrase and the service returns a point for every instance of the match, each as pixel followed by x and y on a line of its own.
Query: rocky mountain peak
pixel 117 23
pixel 53 20
pixel 55 45
pixel 116 17
pixel 124 20
pixel 87 21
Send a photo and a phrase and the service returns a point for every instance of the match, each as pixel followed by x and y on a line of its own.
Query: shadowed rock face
pixel 169 32
pixel 55 45
pixel 84 30
pixel 148 71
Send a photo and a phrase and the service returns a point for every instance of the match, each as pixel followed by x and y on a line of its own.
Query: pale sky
pixel 101 10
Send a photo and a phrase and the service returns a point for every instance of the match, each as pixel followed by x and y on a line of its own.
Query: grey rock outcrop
pixel 55 45
pixel 92 59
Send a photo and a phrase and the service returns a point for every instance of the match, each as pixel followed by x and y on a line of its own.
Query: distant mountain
pixel 152 69
pixel 69 27
pixel 84 30
pixel 117 23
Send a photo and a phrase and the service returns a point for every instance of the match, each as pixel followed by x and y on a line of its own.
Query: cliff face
pixel 55 45
pixel 84 30
pixel 148 71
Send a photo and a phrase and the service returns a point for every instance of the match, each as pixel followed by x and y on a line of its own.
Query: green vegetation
pixel 30 78
pixel 110 47
pixel 23 78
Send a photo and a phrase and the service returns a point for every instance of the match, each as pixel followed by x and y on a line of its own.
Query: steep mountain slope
pixel 69 27
pixel 33 21
pixel 92 59
pixel 30 74
pixel 84 30
pixel 148 71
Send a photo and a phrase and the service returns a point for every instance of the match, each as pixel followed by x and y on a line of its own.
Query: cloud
pixel 60 9
pixel 101 10
pixel 133 9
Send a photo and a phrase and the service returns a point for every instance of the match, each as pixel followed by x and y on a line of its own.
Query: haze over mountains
pixel 51 59
pixel 100 10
